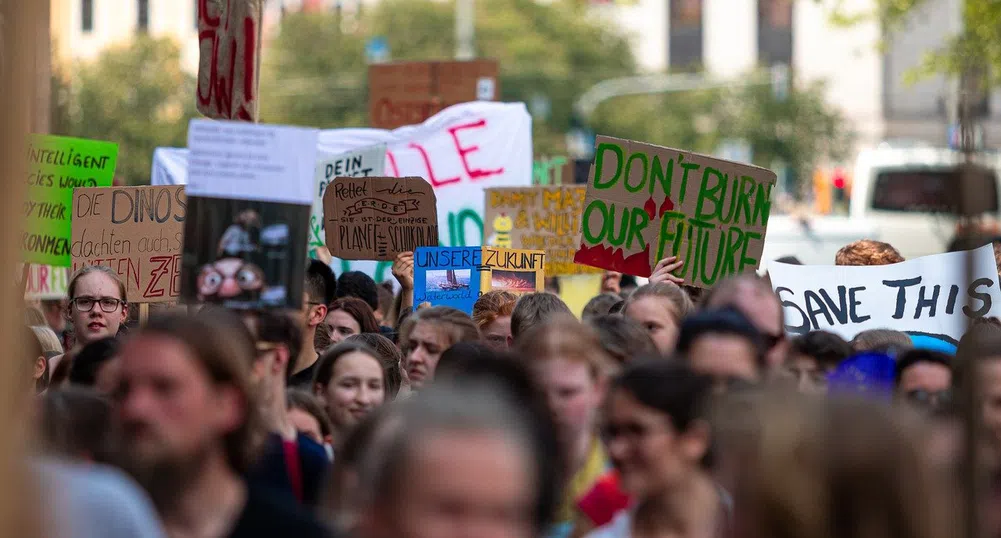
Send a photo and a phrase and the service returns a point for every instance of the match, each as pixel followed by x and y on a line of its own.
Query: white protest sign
pixel 365 162
pixel 46 282
pixel 923 296
pixel 246 161
pixel 460 151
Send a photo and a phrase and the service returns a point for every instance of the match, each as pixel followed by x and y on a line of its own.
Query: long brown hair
pixel 224 347
pixel 458 326
pixel 357 309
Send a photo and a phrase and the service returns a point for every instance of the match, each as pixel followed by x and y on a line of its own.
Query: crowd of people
pixel 664 410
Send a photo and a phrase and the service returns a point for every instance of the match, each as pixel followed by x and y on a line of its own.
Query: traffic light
pixel 840 183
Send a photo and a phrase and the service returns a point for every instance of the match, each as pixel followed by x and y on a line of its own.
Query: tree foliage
pixel 315 74
pixel 135 94
pixel 976 46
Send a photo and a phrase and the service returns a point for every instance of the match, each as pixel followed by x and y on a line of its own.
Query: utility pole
pixel 465 29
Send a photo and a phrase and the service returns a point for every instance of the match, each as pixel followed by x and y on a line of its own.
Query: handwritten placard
pixel 409 93
pixel 539 218
pixel 366 162
pixel 377 218
pixel 646 202
pixel 229 45
pixel 138 232
pixel 922 296
pixel 46 282
pixel 56 166
pixel 457 276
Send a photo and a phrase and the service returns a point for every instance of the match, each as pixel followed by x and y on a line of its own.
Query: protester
pixel 383 314
pixel 492 315
pixel 344 498
pixel 924 379
pixel 622 338
pixel 347 316
pixel 426 334
pixel 49 340
pixel 306 413
pixel 191 427
pixel 39 364
pixel 75 424
pixel 360 286
pixel 814 355
pixel 658 439
pixel 867 252
pixel 599 305
pixel 96 366
pixel 92 501
pixel 809 467
pixel 97 304
pixel 533 309
pixel 320 287
pixel 611 282
pixel 321 340
pixel 351 383
pixel 659 308
pixel 724 346
pixel 54 311
pixel 881 341
pixel 663 271
pixel 569 364
pixel 403 272
pixel 391 358
pixel 754 298
pixel 978 367
pixel 290 464
pixel 460 464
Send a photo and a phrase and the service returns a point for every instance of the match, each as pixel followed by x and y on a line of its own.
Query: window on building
pixel 775 32
pixel 142 15
pixel 87 15
pixel 685 40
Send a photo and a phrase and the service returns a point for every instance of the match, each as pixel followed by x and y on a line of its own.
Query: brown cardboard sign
pixel 137 231
pixel 646 202
pixel 538 218
pixel 409 93
pixel 229 43
pixel 376 218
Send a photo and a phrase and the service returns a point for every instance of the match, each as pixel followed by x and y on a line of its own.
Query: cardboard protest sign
pixel 922 296
pixel 542 218
pixel 377 218
pixel 229 44
pixel 552 171
pixel 457 276
pixel 136 231
pixel 56 166
pixel 460 151
pixel 250 190
pixel 647 202
pixel 366 162
pixel 46 282
pixel 410 93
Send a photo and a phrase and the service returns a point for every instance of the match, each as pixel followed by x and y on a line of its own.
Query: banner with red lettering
pixel 229 42
pixel 461 151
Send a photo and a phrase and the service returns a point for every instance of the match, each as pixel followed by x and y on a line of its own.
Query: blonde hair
pixel 681 303
pixel 816 468
pixel 458 326
pixel 566 338
pixel 867 252
pixel 33 316
pixel 47 339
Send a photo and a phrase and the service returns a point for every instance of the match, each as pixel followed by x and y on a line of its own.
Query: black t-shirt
pixel 272 469
pixel 304 379
pixel 268 516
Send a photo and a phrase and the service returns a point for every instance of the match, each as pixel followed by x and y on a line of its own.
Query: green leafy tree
pixel 976 46
pixel 136 95
pixel 315 69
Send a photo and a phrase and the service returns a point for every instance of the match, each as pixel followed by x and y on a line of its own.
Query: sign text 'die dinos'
pixel 647 202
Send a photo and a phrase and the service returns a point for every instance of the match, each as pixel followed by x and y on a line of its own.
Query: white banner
pixel 46 282
pixel 923 296
pixel 460 151
pixel 365 162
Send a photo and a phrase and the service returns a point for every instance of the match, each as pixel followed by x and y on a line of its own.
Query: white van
pixel 906 196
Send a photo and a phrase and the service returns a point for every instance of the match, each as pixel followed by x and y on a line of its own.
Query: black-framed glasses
pixel 86 304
